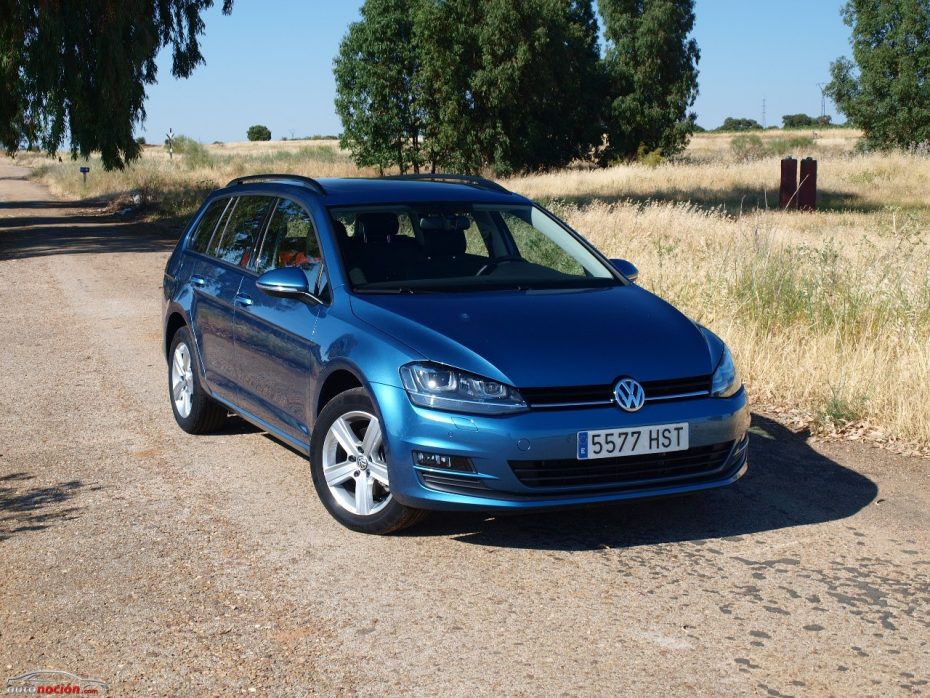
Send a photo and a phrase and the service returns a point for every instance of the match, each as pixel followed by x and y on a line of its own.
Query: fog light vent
pixel 442 461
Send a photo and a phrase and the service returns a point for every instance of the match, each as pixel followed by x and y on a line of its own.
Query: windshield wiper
pixel 396 290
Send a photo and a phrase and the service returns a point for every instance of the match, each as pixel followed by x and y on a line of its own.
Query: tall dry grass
pixel 828 313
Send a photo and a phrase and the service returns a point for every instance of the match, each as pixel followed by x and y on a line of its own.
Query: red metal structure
pixel 789 184
pixel 807 189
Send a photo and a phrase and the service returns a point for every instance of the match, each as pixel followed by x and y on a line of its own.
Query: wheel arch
pixel 175 322
pixel 337 380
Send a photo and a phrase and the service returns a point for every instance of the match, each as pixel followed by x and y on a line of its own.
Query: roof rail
pixel 286 178
pixel 479 182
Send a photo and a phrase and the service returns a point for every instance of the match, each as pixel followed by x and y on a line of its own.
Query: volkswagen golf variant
pixel 438 342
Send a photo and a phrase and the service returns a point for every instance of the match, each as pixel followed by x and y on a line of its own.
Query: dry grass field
pixel 828 313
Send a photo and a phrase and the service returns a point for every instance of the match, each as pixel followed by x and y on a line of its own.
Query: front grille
pixel 584 394
pixel 663 390
pixel 630 472
pixel 594 395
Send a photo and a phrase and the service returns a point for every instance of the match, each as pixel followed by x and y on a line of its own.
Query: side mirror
pixel 628 269
pixel 289 282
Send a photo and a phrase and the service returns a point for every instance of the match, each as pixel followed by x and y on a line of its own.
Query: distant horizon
pixel 777 52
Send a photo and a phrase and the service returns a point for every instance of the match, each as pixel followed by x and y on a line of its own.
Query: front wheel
pixel 350 472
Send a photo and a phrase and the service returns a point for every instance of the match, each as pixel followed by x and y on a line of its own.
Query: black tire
pixel 205 414
pixel 393 516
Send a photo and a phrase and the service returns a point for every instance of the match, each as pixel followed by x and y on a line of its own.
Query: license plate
pixel 611 443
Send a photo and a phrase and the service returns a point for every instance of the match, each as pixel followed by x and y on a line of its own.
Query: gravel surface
pixel 174 565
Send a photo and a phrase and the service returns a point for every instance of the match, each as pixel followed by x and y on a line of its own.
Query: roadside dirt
pixel 167 564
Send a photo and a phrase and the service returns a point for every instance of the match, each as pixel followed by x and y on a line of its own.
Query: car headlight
pixel 726 382
pixel 444 388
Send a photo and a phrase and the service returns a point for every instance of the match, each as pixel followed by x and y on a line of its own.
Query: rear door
pixel 277 356
pixel 216 282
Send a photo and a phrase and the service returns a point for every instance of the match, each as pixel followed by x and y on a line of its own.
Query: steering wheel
pixel 495 263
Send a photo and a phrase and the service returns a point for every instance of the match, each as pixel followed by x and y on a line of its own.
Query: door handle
pixel 243 300
pixel 198 281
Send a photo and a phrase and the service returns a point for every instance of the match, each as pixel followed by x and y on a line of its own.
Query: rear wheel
pixel 194 410
pixel 349 468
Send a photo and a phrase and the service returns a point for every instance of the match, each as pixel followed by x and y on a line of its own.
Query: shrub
pixel 748 147
pixel 785 146
pixel 141 140
pixel 258 132
pixel 650 158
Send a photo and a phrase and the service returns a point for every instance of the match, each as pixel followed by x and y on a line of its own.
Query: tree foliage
pixel 378 87
pixel 517 85
pixel 77 71
pixel 652 73
pixel 798 121
pixel 258 132
pixel 740 124
pixel 885 89
pixel 510 84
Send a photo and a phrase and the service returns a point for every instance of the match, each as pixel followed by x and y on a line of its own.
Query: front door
pixel 277 357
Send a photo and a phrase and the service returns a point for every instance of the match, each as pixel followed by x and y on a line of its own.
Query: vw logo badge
pixel 629 394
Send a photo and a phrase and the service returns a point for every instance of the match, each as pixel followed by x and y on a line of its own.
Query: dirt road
pixel 173 565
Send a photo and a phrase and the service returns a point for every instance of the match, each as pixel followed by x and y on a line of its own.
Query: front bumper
pixel 493 443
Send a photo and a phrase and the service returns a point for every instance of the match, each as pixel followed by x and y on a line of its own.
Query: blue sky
pixel 271 63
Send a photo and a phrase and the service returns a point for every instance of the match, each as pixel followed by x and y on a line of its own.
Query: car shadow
pixel 788 484
pixel 25 508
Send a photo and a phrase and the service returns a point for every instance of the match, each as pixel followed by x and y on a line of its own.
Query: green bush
pixel 748 147
pixel 650 158
pixel 787 146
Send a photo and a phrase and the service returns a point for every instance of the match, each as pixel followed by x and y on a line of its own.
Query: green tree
pixel 78 70
pixel 735 124
pixel 258 132
pixel 798 121
pixel 378 87
pixel 652 72
pixel 517 85
pixel 510 84
pixel 885 90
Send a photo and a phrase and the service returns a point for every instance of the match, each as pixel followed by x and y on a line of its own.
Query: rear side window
pixel 200 238
pixel 290 241
pixel 242 229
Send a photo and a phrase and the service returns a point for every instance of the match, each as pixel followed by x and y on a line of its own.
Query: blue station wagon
pixel 437 342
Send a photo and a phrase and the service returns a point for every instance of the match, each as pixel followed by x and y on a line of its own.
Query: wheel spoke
pixel 178 364
pixel 344 435
pixel 372 440
pixel 339 473
pixel 178 389
pixel 379 472
pixel 363 496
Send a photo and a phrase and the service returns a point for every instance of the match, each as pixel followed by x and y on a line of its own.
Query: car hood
pixel 546 338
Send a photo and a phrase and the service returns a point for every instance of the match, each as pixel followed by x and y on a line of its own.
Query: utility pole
pixel 764 125
pixel 823 101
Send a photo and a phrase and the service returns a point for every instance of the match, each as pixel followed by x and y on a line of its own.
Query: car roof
pixel 356 191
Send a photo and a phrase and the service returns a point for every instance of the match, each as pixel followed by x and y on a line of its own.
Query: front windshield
pixel 412 248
